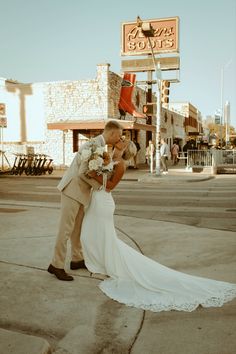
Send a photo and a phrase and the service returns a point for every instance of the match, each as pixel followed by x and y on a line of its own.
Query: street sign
pixel 165 39
pixel 141 65
pixel 3 119
pixel 2 109
pixel 3 122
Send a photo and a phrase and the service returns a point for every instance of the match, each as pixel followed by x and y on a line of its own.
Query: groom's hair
pixel 112 124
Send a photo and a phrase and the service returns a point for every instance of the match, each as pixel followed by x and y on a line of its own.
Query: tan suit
pixel 75 193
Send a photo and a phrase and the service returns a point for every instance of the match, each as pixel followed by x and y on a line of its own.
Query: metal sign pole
pixel 2 145
pixel 158 129
pixel 3 124
pixel 149 121
pixel 158 114
pixel 151 163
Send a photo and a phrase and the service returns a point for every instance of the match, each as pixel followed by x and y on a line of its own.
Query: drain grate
pixel 8 210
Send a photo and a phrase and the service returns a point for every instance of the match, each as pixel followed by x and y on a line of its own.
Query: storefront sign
pixel 3 122
pixel 2 109
pixel 165 40
pixel 141 65
pixel 3 119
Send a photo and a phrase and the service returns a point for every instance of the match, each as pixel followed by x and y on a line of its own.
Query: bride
pixel 134 279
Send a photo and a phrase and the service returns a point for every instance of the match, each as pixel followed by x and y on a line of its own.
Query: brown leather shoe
pixel 59 273
pixel 77 265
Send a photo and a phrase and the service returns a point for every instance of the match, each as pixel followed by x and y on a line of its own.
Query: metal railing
pixel 199 158
pixel 219 160
pixel 226 157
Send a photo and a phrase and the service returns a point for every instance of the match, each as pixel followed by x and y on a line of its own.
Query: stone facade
pixel 73 100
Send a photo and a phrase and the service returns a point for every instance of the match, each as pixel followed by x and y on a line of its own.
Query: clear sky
pixel 52 40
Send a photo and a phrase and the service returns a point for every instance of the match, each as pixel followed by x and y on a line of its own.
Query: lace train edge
pixel 226 295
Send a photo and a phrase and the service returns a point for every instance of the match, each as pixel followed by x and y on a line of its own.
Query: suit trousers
pixel 164 163
pixel 72 213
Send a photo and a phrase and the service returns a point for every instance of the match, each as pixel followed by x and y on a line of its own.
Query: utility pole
pixel 149 119
pixel 227 121
pixel 222 122
pixel 222 106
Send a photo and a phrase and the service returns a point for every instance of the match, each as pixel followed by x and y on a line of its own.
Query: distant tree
pixel 216 129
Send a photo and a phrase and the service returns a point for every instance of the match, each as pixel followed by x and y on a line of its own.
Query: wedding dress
pixel 136 280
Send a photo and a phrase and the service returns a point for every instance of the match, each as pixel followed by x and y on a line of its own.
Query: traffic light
pixel 165 91
pixel 149 109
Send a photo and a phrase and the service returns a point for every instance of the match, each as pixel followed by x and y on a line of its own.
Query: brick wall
pixel 78 100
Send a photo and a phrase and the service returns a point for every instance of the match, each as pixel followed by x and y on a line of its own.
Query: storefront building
pixel 55 118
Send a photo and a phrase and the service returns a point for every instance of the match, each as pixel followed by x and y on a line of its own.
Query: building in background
pixel 193 126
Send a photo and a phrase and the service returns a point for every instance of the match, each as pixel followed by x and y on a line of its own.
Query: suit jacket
pixel 165 150
pixel 72 184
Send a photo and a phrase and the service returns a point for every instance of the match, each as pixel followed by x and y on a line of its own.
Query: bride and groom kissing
pixel 87 220
pixel 75 196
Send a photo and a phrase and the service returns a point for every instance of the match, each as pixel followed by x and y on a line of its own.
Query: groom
pixel 75 194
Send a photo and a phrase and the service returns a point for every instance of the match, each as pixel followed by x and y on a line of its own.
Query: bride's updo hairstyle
pixel 130 151
pixel 125 149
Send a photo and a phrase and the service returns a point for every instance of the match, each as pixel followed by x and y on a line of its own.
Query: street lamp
pixel 148 32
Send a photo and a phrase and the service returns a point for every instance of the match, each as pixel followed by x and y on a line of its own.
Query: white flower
pixel 99 161
pixel 109 167
pixel 93 165
pixel 86 153
pixel 99 150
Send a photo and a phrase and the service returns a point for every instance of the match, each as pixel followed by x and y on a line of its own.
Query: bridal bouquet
pixel 98 159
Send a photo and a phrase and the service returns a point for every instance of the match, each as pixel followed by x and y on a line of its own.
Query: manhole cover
pixel 7 210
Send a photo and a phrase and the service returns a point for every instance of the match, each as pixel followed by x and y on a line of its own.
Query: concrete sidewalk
pixel 41 315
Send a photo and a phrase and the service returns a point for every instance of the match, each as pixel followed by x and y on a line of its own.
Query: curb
pixel 54 177
pixel 173 178
pixel 202 179
pixel 142 179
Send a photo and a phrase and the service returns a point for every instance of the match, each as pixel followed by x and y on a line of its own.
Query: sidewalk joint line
pixel 137 245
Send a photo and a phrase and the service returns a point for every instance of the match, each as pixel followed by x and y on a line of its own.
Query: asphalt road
pixel 210 204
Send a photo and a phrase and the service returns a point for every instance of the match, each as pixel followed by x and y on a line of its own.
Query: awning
pixel 97 124
pixel 194 133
